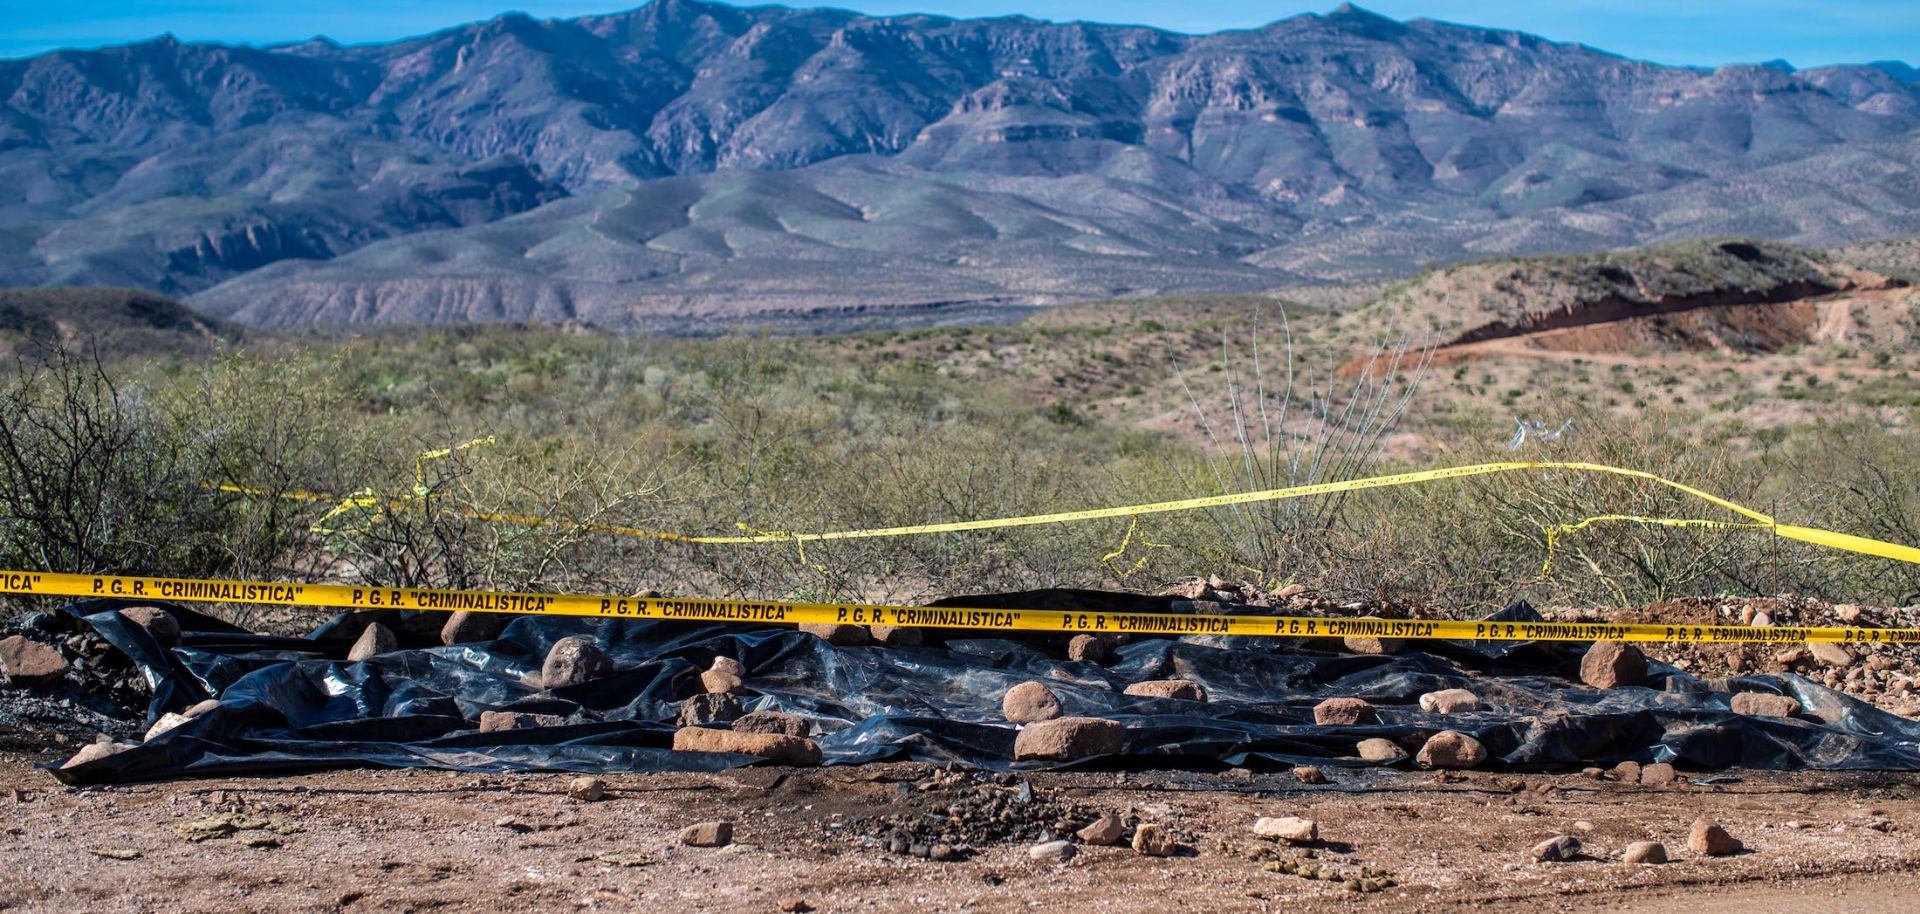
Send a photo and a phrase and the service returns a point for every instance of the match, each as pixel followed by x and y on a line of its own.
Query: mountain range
pixel 690 161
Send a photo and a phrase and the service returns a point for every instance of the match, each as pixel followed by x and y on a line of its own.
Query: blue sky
pixel 1805 32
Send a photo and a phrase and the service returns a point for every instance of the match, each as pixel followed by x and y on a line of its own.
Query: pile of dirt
pixel 101 692
pixel 950 813
pixel 1885 675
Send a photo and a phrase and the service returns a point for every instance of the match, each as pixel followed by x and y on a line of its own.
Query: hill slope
pixel 688 158
pixel 104 319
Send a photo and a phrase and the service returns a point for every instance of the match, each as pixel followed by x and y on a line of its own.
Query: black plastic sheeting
pixel 291 703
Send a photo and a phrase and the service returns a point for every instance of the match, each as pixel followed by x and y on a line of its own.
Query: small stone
pixel 1363 645
pixel 1707 837
pixel 1029 702
pixel 1308 774
pixel 1066 738
pixel 1761 620
pixel 729 665
pixel 465 627
pixel 778 722
pixel 1645 852
pixel 374 640
pixel 1627 772
pixel 1052 852
pixel 896 635
pixel 1088 649
pixel 1291 829
pixel 1450 701
pixel 166 722
pixel 587 789
pixel 30 663
pixel 786 750
pixel 1594 774
pixel 708 708
pixel 1830 654
pixel 1342 712
pixel 844 635
pixel 1658 774
pixel 1557 850
pixel 1182 689
pixel 1847 612
pixel 158 622
pixel 1612 665
pixel 1451 749
pixel 493 721
pixel 1105 831
pixel 943 853
pixel 1381 750
pixel 707 834
pixel 625 858
pixel 720 682
pixel 794 906
pixel 574 660
pixel 1290 591
pixel 1792 655
pixel 1583 825
pixel 1154 841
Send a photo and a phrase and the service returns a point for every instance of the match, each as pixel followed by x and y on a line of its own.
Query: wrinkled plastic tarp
pixel 288 703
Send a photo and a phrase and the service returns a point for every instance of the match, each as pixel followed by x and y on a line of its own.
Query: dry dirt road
pixel 805 839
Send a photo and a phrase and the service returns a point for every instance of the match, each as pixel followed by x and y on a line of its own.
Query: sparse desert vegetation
pixel 1083 406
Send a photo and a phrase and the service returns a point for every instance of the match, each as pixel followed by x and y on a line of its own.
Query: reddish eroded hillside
pixel 1728 296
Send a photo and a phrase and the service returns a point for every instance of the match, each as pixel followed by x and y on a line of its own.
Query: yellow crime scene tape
pixel 1754 519
pixel 340 596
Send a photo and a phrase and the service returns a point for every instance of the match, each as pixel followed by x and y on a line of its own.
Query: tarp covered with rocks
pixel 274 704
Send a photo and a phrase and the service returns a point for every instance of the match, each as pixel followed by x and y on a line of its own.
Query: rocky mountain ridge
pixel 697 159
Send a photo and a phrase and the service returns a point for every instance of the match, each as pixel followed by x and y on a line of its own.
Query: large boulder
pixel 1067 738
pixel 573 660
pixel 709 708
pixel 493 721
pixel 1088 649
pixel 1450 701
pixel 1612 665
pixel 843 635
pixel 374 640
pixel 1182 689
pixel 1030 702
pixel 1451 749
pixel 1344 712
pixel 1380 750
pixel 896 635
pixel 787 750
pixel 773 722
pixel 1762 704
pixel 27 663
pixel 158 622
pixel 465 627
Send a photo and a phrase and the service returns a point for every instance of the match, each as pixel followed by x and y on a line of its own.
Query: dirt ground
pixel 418 840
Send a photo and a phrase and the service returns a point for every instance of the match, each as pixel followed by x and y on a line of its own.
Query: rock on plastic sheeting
pixel 290 703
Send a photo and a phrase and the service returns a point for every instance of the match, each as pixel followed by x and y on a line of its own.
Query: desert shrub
pixel 97 476
pixel 787 434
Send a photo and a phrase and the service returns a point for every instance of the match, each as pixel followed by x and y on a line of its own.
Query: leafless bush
pixel 1274 424
pixel 95 477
